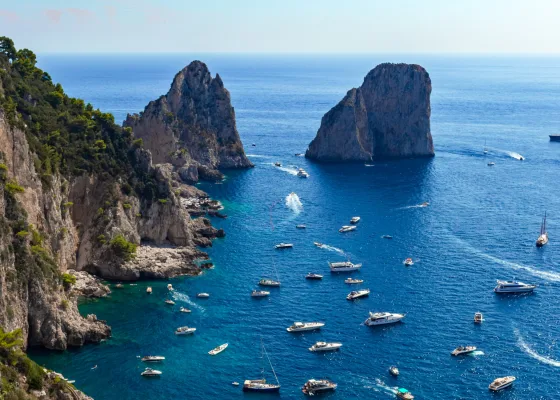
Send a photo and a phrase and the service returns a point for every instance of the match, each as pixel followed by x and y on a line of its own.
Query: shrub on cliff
pixel 123 248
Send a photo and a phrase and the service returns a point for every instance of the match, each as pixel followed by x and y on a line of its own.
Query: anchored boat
pixel 153 358
pixel 184 330
pixel 311 276
pixel 259 293
pixel 356 294
pixel 355 220
pixel 461 350
pixel 478 318
pixel 383 318
pixel 344 266
pixel 501 383
pixel 347 228
pixel 284 246
pixel 325 346
pixel 513 287
pixel 148 372
pixel 316 386
pixel 543 238
pixel 219 349
pixel 261 385
pixel 305 326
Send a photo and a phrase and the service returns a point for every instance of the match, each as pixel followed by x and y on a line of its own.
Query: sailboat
pixel 271 282
pixel 543 238
pixel 485 148
pixel 261 385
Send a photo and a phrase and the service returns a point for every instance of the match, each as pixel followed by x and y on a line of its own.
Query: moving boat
pixel 316 277
pixel 278 164
pixel 425 204
pixel 491 163
pixel 356 294
pixel 170 302
pixel 459 351
pixel 302 173
pixel 387 237
pixel 169 287
pixel 408 262
pixel 404 394
pixel 153 358
pixel 185 310
pixel 543 238
pixel 316 386
pixel 394 370
pixel 347 228
pixel 318 244
pixel 344 266
pixel 284 246
pixel 305 326
pixel 325 346
pixel 269 282
pixel 301 226
pixel 513 287
pixel 219 349
pixel 383 318
pixel 149 290
pixel 148 372
pixel 203 295
pixel 501 383
pixel 478 318
pixel 351 281
pixel 355 220
pixel 259 293
pixel 184 330
pixel 260 385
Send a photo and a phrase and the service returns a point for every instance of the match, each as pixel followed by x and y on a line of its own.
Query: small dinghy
pixel 301 226
pixel 259 293
pixel 394 370
pixel 203 295
pixel 351 281
pixel 119 285
pixel 170 287
pixel 149 372
pixel 184 330
pixel 219 349
pixel 408 262
pixel 355 220
pixel 170 302
pixel 490 164
pixel 153 358
pixel 149 290
pixel 478 318
pixel 235 383
pixel 185 310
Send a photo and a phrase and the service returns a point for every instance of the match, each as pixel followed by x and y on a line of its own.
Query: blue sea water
pixel 481 225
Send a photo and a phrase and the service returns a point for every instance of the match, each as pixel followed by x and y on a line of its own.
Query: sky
pixel 283 26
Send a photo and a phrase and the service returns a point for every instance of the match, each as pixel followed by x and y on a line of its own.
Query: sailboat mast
pixel 271 367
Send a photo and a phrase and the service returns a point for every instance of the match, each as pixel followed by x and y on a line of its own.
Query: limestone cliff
pixel 192 127
pixel 388 116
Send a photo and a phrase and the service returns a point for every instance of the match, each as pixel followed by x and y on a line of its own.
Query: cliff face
pixel 387 117
pixel 192 127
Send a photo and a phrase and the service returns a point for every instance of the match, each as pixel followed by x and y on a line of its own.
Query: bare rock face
pixel 387 117
pixel 192 127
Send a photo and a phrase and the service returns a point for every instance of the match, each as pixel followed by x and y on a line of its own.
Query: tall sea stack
pixel 387 117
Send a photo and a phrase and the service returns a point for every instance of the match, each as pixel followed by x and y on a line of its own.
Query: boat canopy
pixel 403 390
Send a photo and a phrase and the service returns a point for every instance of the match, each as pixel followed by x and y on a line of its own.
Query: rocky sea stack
pixel 387 117
pixel 192 127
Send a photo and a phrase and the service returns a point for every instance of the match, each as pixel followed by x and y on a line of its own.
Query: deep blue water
pixel 480 226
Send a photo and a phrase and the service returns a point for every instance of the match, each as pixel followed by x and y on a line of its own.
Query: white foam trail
pixel 525 347
pixel 415 206
pixel 511 154
pixel 257 156
pixel 293 203
pixel 476 353
pixel 369 165
pixel 332 248
pixel 290 171
pixel 178 296
pixel 384 388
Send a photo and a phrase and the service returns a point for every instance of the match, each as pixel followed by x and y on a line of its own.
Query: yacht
pixel 491 164
pixel 301 226
pixel 278 164
pixel 184 330
pixel 302 173
pixel 478 318
pixel 317 386
pixel 325 346
pixel 459 351
pixel 202 295
pixel 284 246
pixel 351 281
pixel 355 220
pixel 543 237
pixel 150 372
pixel 394 370
pixel 408 262
pixel 316 277
pixel 356 294
pixel 259 293
pixel 185 310
pixel 501 383
pixel 170 287
pixel 153 358
pixel 149 290
pixel 404 394
pixel 261 385
pixel 170 302
pixel 347 228
pixel 219 349
pixel 269 282
pixel 383 318
pixel 305 326
pixel 318 244
pixel 344 266
pixel 513 287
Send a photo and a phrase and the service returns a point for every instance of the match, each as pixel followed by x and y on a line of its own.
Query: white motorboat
pixel 318 244
pixel 325 346
pixel 149 290
pixel 185 310
pixel 119 286
pixel 383 318
pixel 149 372
pixel 387 237
pixel 317 386
pixel 269 282
pixel 355 220
pixel 461 350
pixel 235 383
pixel 219 349
pixel 301 226
pixel 184 330
pixel 302 173
pixel 491 164
pixel 394 370
pixel 501 383
pixel 203 295
pixel 543 238
pixel 408 262
pixel 513 287
pixel 284 246
pixel 344 266
pixel 311 276
pixel 478 318
pixel 259 293
pixel 356 294
pixel 404 394
pixel 278 164
pixel 170 287
pixel 170 302
pixel 305 326
pixel 347 228
pixel 153 358
pixel 351 281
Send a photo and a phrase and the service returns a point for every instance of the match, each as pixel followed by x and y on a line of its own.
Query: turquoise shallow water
pixel 480 226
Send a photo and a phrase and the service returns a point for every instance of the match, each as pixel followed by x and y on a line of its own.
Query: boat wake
pixel 178 296
pixel 528 350
pixel 257 156
pixel 476 353
pixel 293 203
pixel 332 248
pixel 291 171
pixel 382 387
pixel 512 154
pixel 415 206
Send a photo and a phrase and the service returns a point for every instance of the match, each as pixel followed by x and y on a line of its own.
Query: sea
pixel 481 225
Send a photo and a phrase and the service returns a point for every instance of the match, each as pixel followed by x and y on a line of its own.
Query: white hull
pixel 329 347
pixel 514 290
pixel 346 269
pixel 305 328
pixel 218 349
pixel 389 319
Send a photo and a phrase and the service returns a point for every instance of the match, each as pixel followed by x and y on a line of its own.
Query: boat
pixel 235 383
pixel 485 148
pixel 301 226
pixel 305 326
pixel 347 228
pixel 404 394
pixel 344 266
pixel 478 318
pixel 513 287
pixel 387 237
pixel 408 262
pixel 149 290
pixel 501 383
pixel 355 220
pixel 383 318
pixel 325 346
pixel 278 164
pixel 170 302
pixel 151 372
pixel 351 281
pixel 269 282
pixel 491 163
pixel 185 310
pixel 119 285
pixel 302 173
pixel 356 294
pixel 318 244
pixel 311 276
pixel 261 385
pixel 184 330
pixel 554 138
pixel 543 238
pixel 461 350
pixel 424 204
pixel 219 349
pixel 284 246
pixel 259 293
pixel 317 386
pixel 299 154
pixel 170 287
pixel 153 358
pixel 394 370
pixel 203 295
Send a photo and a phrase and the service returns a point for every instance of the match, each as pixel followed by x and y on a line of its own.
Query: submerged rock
pixel 387 117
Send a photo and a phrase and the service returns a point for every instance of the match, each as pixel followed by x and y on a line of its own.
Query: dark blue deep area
pixel 481 225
